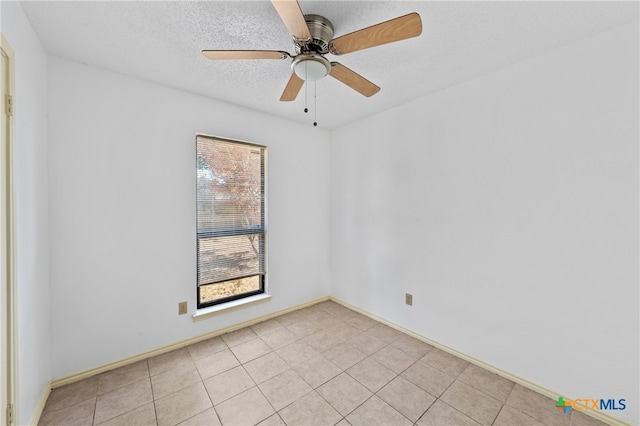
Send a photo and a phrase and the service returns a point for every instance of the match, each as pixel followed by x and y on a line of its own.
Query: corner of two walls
pixel 508 207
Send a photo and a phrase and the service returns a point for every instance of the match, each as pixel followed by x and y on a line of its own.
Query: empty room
pixel 320 213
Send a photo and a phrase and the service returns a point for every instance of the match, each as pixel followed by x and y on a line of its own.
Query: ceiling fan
pixel 313 39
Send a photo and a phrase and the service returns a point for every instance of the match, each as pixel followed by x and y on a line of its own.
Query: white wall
pixel 31 194
pixel 508 206
pixel 122 209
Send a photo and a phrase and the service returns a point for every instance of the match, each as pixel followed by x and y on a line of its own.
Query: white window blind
pixel 230 219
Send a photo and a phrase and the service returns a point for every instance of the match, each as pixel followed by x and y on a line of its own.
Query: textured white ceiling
pixel 162 42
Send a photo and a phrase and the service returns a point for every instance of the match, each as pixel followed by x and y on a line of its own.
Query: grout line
pixel 498 415
pixel 205 389
pixel 95 407
pixel 125 412
pixel 85 374
pixel 300 340
pixel 597 415
pixel 454 408
pixel 155 410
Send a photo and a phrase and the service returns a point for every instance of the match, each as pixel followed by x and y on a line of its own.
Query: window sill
pixel 212 311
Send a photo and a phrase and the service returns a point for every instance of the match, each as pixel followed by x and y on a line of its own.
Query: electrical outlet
pixel 182 308
pixel 408 299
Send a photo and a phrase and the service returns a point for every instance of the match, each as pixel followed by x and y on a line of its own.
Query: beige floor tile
pixel 208 417
pixel 248 408
pixel 411 346
pixel 385 333
pixel 252 349
pixel 537 406
pixel 296 352
pixel 310 410
pixel 428 378
pixel 182 405
pixel 487 382
pixel 344 393
pixel 361 322
pixel 473 403
pixel 291 318
pixel 376 412
pixel 237 337
pixel 406 398
pixel 304 328
pixel 79 414
pixel 338 311
pixel 289 356
pixel 173 380
pixel 72 394
pixel 284 388
pixel 366 343
pixel 581 419
pixel 279 338
pixel 328 322
pixel 443 361
pixel 141 416
pixel 214 364
pixel 345 331
pixel 509 416
pixel 122 376
pixel 266 327
pixel 317 370
pixel 273 420
pixel 394 359
pixel 440 414
pixel 266 367
pixel 228 384
pixel 344 356
pixel 333 308
pixel 206 347
pixel 180 358
pixel 323 340
pixel 123 400
pixel 371 374
pixel 313 312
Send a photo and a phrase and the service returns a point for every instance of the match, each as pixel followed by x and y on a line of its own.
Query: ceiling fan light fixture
pixel 311 67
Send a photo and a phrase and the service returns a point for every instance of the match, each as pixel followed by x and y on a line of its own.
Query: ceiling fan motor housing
pixel 309 64
pixel 321 30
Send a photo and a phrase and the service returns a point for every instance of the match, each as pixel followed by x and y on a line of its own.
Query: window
pixel 230 220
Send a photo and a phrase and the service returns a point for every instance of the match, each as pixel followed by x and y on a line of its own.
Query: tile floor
pixel 321 365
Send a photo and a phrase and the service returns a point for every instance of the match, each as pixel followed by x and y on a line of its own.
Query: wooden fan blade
pixel 245 54
pixel 353 80
pixel 293 87
pixel 397 29
pixel 291 15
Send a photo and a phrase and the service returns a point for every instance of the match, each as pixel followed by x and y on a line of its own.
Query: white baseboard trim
pixel 599 415
pixel 35 419
pixel 72 378
pixel 55 383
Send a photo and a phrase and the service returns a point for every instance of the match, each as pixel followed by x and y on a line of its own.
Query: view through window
pixel 230 220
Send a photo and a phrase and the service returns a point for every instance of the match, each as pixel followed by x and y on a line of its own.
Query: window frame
pixel 262 230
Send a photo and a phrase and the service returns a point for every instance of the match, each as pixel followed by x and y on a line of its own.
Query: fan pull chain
pixel 306 110
pixel 315 104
